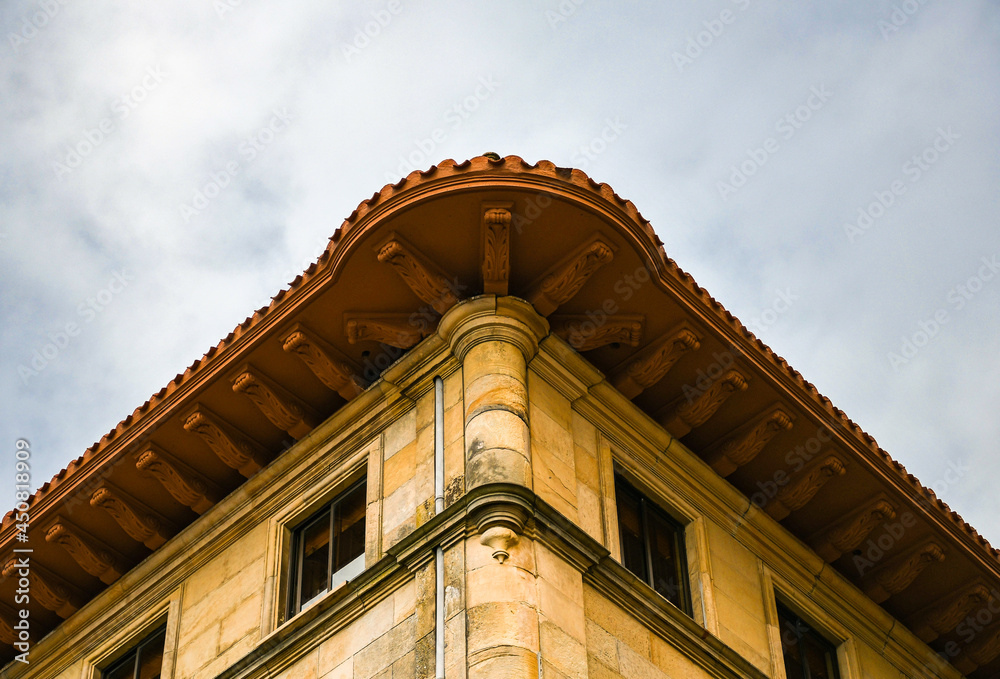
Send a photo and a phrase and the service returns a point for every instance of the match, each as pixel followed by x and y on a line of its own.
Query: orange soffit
pixel 587 262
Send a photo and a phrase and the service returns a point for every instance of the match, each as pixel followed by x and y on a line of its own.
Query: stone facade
pixel 533 585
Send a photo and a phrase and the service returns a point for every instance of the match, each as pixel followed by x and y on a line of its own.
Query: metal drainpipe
pixel 438 508
pixel 438 445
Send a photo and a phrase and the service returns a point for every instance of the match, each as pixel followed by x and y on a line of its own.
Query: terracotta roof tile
pixel 516 164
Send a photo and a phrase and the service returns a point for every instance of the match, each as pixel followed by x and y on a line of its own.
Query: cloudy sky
pixel 828 171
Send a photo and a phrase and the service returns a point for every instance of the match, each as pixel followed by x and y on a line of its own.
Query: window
pixel 328 548
pixel 805 653
pixel 142 662
pixel 652 545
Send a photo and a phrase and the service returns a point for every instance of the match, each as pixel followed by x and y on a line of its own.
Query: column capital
pixel 488 318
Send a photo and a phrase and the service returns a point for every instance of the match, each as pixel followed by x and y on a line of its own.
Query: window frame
pixel 680 564
pixel 134 654
pixel 103 651
pixel 294 604
pixel 785 613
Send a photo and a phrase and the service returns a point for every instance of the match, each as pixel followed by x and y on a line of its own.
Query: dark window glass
pixel 314 550
pixel 631 533
pixel 349 526
pixel 652 545
pixel 142 662
pixel 329 548
pixel 805 653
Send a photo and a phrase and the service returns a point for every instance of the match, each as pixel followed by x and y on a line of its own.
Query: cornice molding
pixel 349 430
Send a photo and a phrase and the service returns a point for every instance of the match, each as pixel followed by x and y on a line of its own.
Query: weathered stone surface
pixel 536 610
pixel 386 650
pixel 497 624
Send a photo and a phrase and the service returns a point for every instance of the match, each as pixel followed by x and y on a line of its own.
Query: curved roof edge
pixel 482 164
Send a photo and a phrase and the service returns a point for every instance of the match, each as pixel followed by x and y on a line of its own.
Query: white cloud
pixel 194 281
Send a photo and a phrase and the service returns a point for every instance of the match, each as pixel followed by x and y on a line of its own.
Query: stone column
pixel 494 338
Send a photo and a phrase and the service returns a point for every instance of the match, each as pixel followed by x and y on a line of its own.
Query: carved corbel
pixel 847 535
pixel 233 447
pixel 500 539
pixel 500 519
pixel 427 281
pixel 186 486
pixel 140 522
pixel 655 362
pixel 496 250
pixel 284 410
pixel 696 411
pixel 741 449
pixel 583 334
pixel 90 553
pixel 898 574
pixel 333 372
pixel 979 654
pixel 561 283
pixel 46 588
pixel 799 492
pixel 944 617
pixel 395 330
